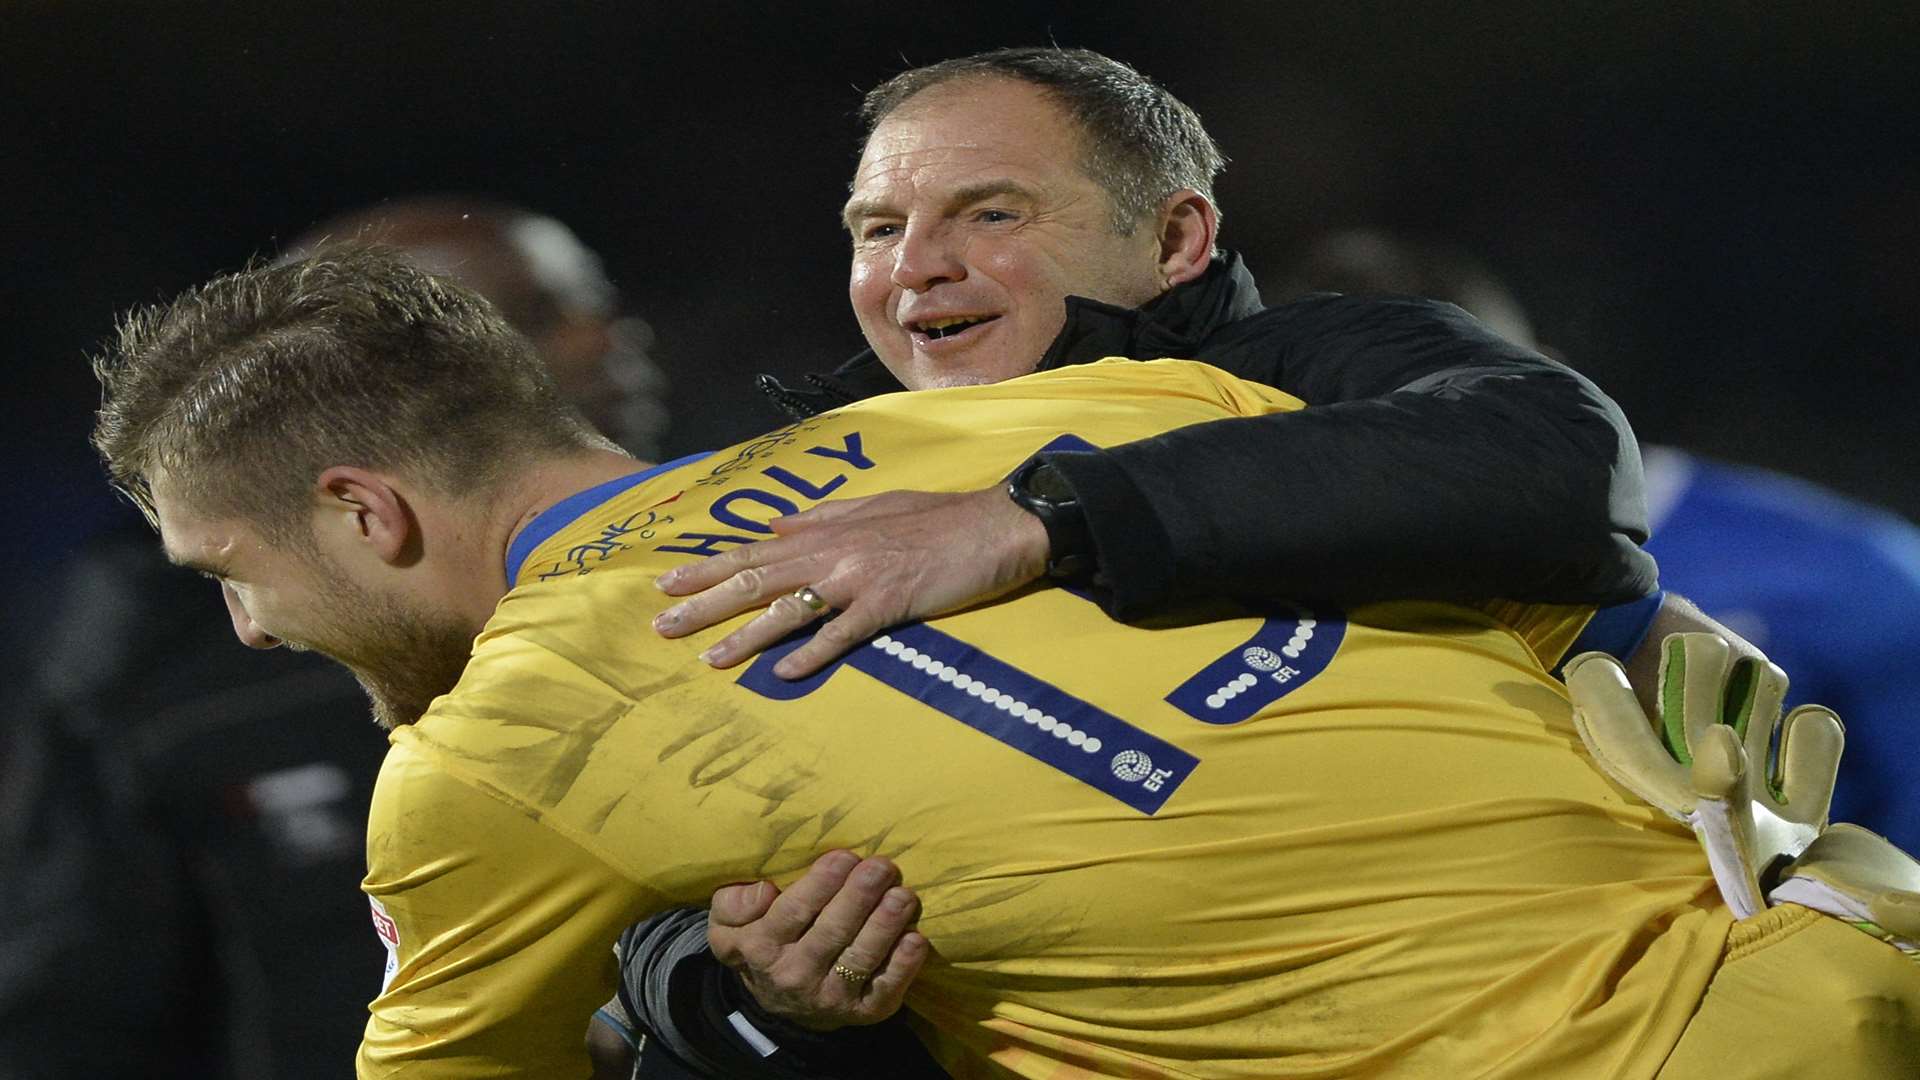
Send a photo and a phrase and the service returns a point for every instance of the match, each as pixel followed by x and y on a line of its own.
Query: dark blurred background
pixel 1714 210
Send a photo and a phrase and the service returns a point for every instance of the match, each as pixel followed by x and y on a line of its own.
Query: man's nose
pixel 244 627
pixel 928 254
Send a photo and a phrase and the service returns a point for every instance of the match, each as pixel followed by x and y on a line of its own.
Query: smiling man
pixel 966 249
pixel 1028 209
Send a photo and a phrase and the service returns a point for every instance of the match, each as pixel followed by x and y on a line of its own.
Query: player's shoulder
pixel 1766 492
pixel 1854 534
pixel 414 777
pixel 447 774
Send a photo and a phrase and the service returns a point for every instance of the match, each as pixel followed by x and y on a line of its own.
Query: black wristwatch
pixel 1040 490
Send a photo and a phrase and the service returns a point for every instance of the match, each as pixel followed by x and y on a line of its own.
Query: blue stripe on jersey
pixel 563 513
pixel 1004 703
pixel 1616 631
pixel 1280 656
pixel 1066 444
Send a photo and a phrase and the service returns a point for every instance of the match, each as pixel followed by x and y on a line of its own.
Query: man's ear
pixel 1187 226
pixel 367 509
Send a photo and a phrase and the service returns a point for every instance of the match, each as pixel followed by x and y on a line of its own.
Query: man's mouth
pixel 935 329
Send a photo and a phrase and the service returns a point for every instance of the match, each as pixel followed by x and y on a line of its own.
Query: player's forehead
pixel 191 538
pixel 194 543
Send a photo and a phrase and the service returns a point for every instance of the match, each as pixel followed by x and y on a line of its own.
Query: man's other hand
pixel 835 949
pixel 880 561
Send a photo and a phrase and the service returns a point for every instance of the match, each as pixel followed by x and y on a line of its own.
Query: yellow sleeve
pixel 501 932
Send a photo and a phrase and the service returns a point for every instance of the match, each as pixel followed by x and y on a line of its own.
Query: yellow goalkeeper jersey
pixel 1245 843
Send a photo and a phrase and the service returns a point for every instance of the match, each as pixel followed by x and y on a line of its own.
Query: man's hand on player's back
pixel 882 561
pixel 836 948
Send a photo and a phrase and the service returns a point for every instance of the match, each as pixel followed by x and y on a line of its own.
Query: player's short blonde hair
pixel 245 389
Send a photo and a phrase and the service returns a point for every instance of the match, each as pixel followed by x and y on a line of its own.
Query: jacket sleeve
pixel 1435 460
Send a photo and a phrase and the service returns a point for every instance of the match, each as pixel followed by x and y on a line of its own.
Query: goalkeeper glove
pixel 1708 762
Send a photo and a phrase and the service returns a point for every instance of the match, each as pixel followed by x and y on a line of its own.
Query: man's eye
pixel 880 232
pixel 996 216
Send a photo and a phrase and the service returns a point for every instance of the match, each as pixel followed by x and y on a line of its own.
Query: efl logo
pixel 1260 659
pixel 1131 765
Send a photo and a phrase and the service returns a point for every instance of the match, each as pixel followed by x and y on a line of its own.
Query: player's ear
pixel 1187 225
pixel 360 507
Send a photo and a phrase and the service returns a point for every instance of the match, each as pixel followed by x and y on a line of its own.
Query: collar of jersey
pixel 563 513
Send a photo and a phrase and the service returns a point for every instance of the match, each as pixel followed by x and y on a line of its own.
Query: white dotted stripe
pixel 1302 633
pixel 1004 702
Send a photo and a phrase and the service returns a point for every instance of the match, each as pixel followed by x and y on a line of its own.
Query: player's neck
pixel 541 485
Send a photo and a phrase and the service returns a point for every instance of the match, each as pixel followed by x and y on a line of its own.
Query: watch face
pixel 1048 484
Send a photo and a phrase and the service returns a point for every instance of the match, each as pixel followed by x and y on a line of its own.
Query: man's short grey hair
pixel 1139 142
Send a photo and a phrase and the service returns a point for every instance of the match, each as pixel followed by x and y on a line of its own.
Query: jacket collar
pixel 1175 323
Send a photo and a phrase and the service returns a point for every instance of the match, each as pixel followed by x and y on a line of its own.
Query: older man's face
pixel 972 222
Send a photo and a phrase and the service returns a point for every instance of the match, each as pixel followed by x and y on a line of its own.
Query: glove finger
pixel 1756 689
pixel 1693 675
pixel 1811 742
pixel 1620 738
pixel 1720 765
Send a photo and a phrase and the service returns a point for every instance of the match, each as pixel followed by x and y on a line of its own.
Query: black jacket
pixel 1437 460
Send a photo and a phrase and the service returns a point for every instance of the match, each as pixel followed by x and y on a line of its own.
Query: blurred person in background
pixel 1826 585
pixel 549 285
pixel 183 820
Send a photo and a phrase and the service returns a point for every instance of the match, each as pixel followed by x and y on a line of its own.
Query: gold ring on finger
pixel 851 976
pixel 807 595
